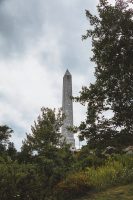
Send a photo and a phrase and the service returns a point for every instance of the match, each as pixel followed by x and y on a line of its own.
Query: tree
pixel 45 134
pixel 112 92
pixel 5 134
pixel 11 151
pixel 45 148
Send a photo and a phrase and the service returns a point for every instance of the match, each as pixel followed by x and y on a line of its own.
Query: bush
pixel 74 185
pixel 92 160
pixel 117 170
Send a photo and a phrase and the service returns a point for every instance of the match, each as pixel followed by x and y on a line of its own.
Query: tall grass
pixel 117 170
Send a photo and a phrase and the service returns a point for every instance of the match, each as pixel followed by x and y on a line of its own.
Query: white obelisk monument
pixel 67 107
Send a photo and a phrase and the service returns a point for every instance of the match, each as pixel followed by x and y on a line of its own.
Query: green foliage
pixel 45 169
pixel 112 46
pixel 11 151
pixel 5 134
pixel 25 156
pixel 74 185
pixel 44 160
pixel 20 181
pixel 88 158
pixel 117 170
pixel 91 160
pixel 45 149
pixel 45 137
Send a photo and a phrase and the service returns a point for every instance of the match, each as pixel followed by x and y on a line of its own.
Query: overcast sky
pixel 39 40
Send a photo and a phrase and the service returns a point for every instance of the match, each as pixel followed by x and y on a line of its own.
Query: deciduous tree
pixel 109 119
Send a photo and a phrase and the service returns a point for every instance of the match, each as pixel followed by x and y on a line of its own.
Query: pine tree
pixel 5 134
pixel 45 134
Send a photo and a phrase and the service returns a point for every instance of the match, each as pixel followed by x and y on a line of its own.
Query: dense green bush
pixel 74 185
pixel 90 161
pixel 19 181
pixel 33 181
pixel 87 157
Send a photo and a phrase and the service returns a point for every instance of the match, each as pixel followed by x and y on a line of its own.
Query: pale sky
pixel 39 40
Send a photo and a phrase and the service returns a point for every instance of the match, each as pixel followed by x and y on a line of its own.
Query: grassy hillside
pixel 116 193
pixel 116 171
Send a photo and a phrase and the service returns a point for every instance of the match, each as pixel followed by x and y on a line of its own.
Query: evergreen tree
pixel 5 134
pixel 11 151
pixel 45 148
pixel 45 136
pixel 112 92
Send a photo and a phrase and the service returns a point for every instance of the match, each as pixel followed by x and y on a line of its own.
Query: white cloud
pixel 38 41
pixel 26 86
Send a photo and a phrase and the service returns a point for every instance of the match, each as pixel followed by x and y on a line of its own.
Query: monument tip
pixel 67 73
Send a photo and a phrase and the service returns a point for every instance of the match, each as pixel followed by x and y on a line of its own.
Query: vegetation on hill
pixel 117 170
pixel 45 168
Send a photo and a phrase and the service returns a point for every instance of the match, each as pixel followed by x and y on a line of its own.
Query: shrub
pixel 117 170
pixel 74 185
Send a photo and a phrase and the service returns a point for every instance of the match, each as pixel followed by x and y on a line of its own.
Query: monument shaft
pixel 67 106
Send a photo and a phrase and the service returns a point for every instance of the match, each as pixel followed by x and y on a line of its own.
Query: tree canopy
pixel 45 132
pixel 110 99
pixel 5 134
